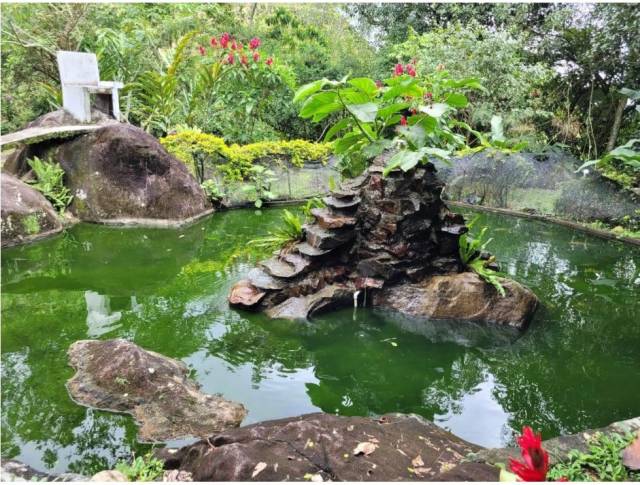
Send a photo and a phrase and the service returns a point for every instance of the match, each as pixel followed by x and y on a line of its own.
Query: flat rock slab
pixel 262 280
pixel 325 238
pixel 328 220
pixel 344 204
pixel 323 447
pixel 245 294
pixel 287 266
pixel 29 136
pixel 307 250
pixel 302 307
pixel 117 375
pixel 462 296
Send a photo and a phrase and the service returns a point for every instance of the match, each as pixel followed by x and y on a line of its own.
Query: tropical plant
pixel 50 182
pixel 213 190
pixel 261 179
pixel 470 250
pixel 622 164
pixel 289 232
pixel 600 463
pixel 409 113
pixel 142 469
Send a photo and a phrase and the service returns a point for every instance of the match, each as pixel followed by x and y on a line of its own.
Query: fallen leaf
pixel 631 454
pixel 417 462
pixel 259 467
pixel 365 448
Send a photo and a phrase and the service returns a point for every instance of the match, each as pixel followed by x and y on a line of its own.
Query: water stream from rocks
pixel 576 367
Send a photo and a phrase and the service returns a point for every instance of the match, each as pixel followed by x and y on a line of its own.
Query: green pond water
pixel 576 367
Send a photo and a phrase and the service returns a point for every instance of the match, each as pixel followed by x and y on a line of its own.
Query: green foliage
pixel 622 164
pixel 289 232
pixel 31 224
pixel 260 180
pixel 601 463
pixel 194 147
pixel 470 249
pixel 413 115
pixel 50 182
pixel 142 469
pixel 213 190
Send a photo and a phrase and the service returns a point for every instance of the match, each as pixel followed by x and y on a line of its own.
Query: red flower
pixel 254 43
pixel 224 39
pixel 269 61
pixel 399 71
pixel 256 56
pixel 231 58
pixel 214 42
pixel 234 46
pixel 410 70
pixel 427 96
pixel 243 60
pixel 403 121
pixel 379 84
pixel 536 459
pixel 202 51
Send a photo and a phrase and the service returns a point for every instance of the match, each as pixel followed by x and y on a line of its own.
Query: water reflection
pixel 573 368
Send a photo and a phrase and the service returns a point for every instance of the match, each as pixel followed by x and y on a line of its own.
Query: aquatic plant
pixel 470 249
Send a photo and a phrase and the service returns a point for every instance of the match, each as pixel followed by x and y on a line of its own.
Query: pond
pixel 576 367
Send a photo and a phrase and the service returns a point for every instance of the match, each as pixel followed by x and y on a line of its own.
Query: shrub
pixel 49 181
pixel 197 149
pixel 142 469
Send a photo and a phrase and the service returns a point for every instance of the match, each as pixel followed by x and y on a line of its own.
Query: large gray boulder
pixel 118 174
pixel 26 214
pixel 322 447
pixel 117 375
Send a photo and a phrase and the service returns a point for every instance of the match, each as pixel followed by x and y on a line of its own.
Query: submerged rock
pixel 117 375
pixel 26 214
pixel 461 296
pixel 394 238
pixel 322 447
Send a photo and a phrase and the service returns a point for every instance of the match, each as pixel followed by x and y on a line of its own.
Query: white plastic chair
pixel 79 76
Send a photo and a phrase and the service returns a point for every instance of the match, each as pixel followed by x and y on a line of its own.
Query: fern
pixel 50 182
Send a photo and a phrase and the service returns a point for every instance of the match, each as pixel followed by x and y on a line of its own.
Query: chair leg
pixel 115 103
pixel 77 102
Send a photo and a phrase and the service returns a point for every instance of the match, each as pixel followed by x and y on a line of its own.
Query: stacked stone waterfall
pixel 375 233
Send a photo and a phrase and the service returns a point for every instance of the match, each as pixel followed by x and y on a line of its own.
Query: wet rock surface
pixel 117 375
pixel 26 214
pixel 390 236
pixel 15 471
pixel 119 174
pixel 321 446
pixel 461 296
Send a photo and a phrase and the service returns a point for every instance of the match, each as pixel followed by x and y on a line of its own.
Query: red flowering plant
pixel 411 112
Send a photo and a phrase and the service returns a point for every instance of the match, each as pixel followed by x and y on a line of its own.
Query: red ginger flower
pixel 403 121
pixel 231 58
pixel 202 51
pixel 256 56
pixel 269 61
pixel 214 42
pixel 254 43
pixel 234 46
pixel 224 40
pixel 243 60
pixel 536 459
pixel 410 70
pixel 399 70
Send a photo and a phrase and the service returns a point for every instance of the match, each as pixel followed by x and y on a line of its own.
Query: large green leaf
pixel 631 93
pixel 435 110
pixel 469 82
pixel 456 100
pixel 353 96
pixel 346 142
pixel 335 129
pixel 320 103
pixel 406 88
pixel 365 112
pixel 392 108
pixel 376 148
pixel 365 85
pixel 308 89
pixel 415 135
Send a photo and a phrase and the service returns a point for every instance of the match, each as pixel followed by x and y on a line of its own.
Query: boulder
pixel 118 174
pixel 322 447
pixel 15 471
pixel 302 307
pixel 26 214
pixel 109 476
pixel 117 375
pixel 461 296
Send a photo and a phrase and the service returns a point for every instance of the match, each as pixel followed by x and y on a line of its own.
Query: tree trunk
pixel 617 120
